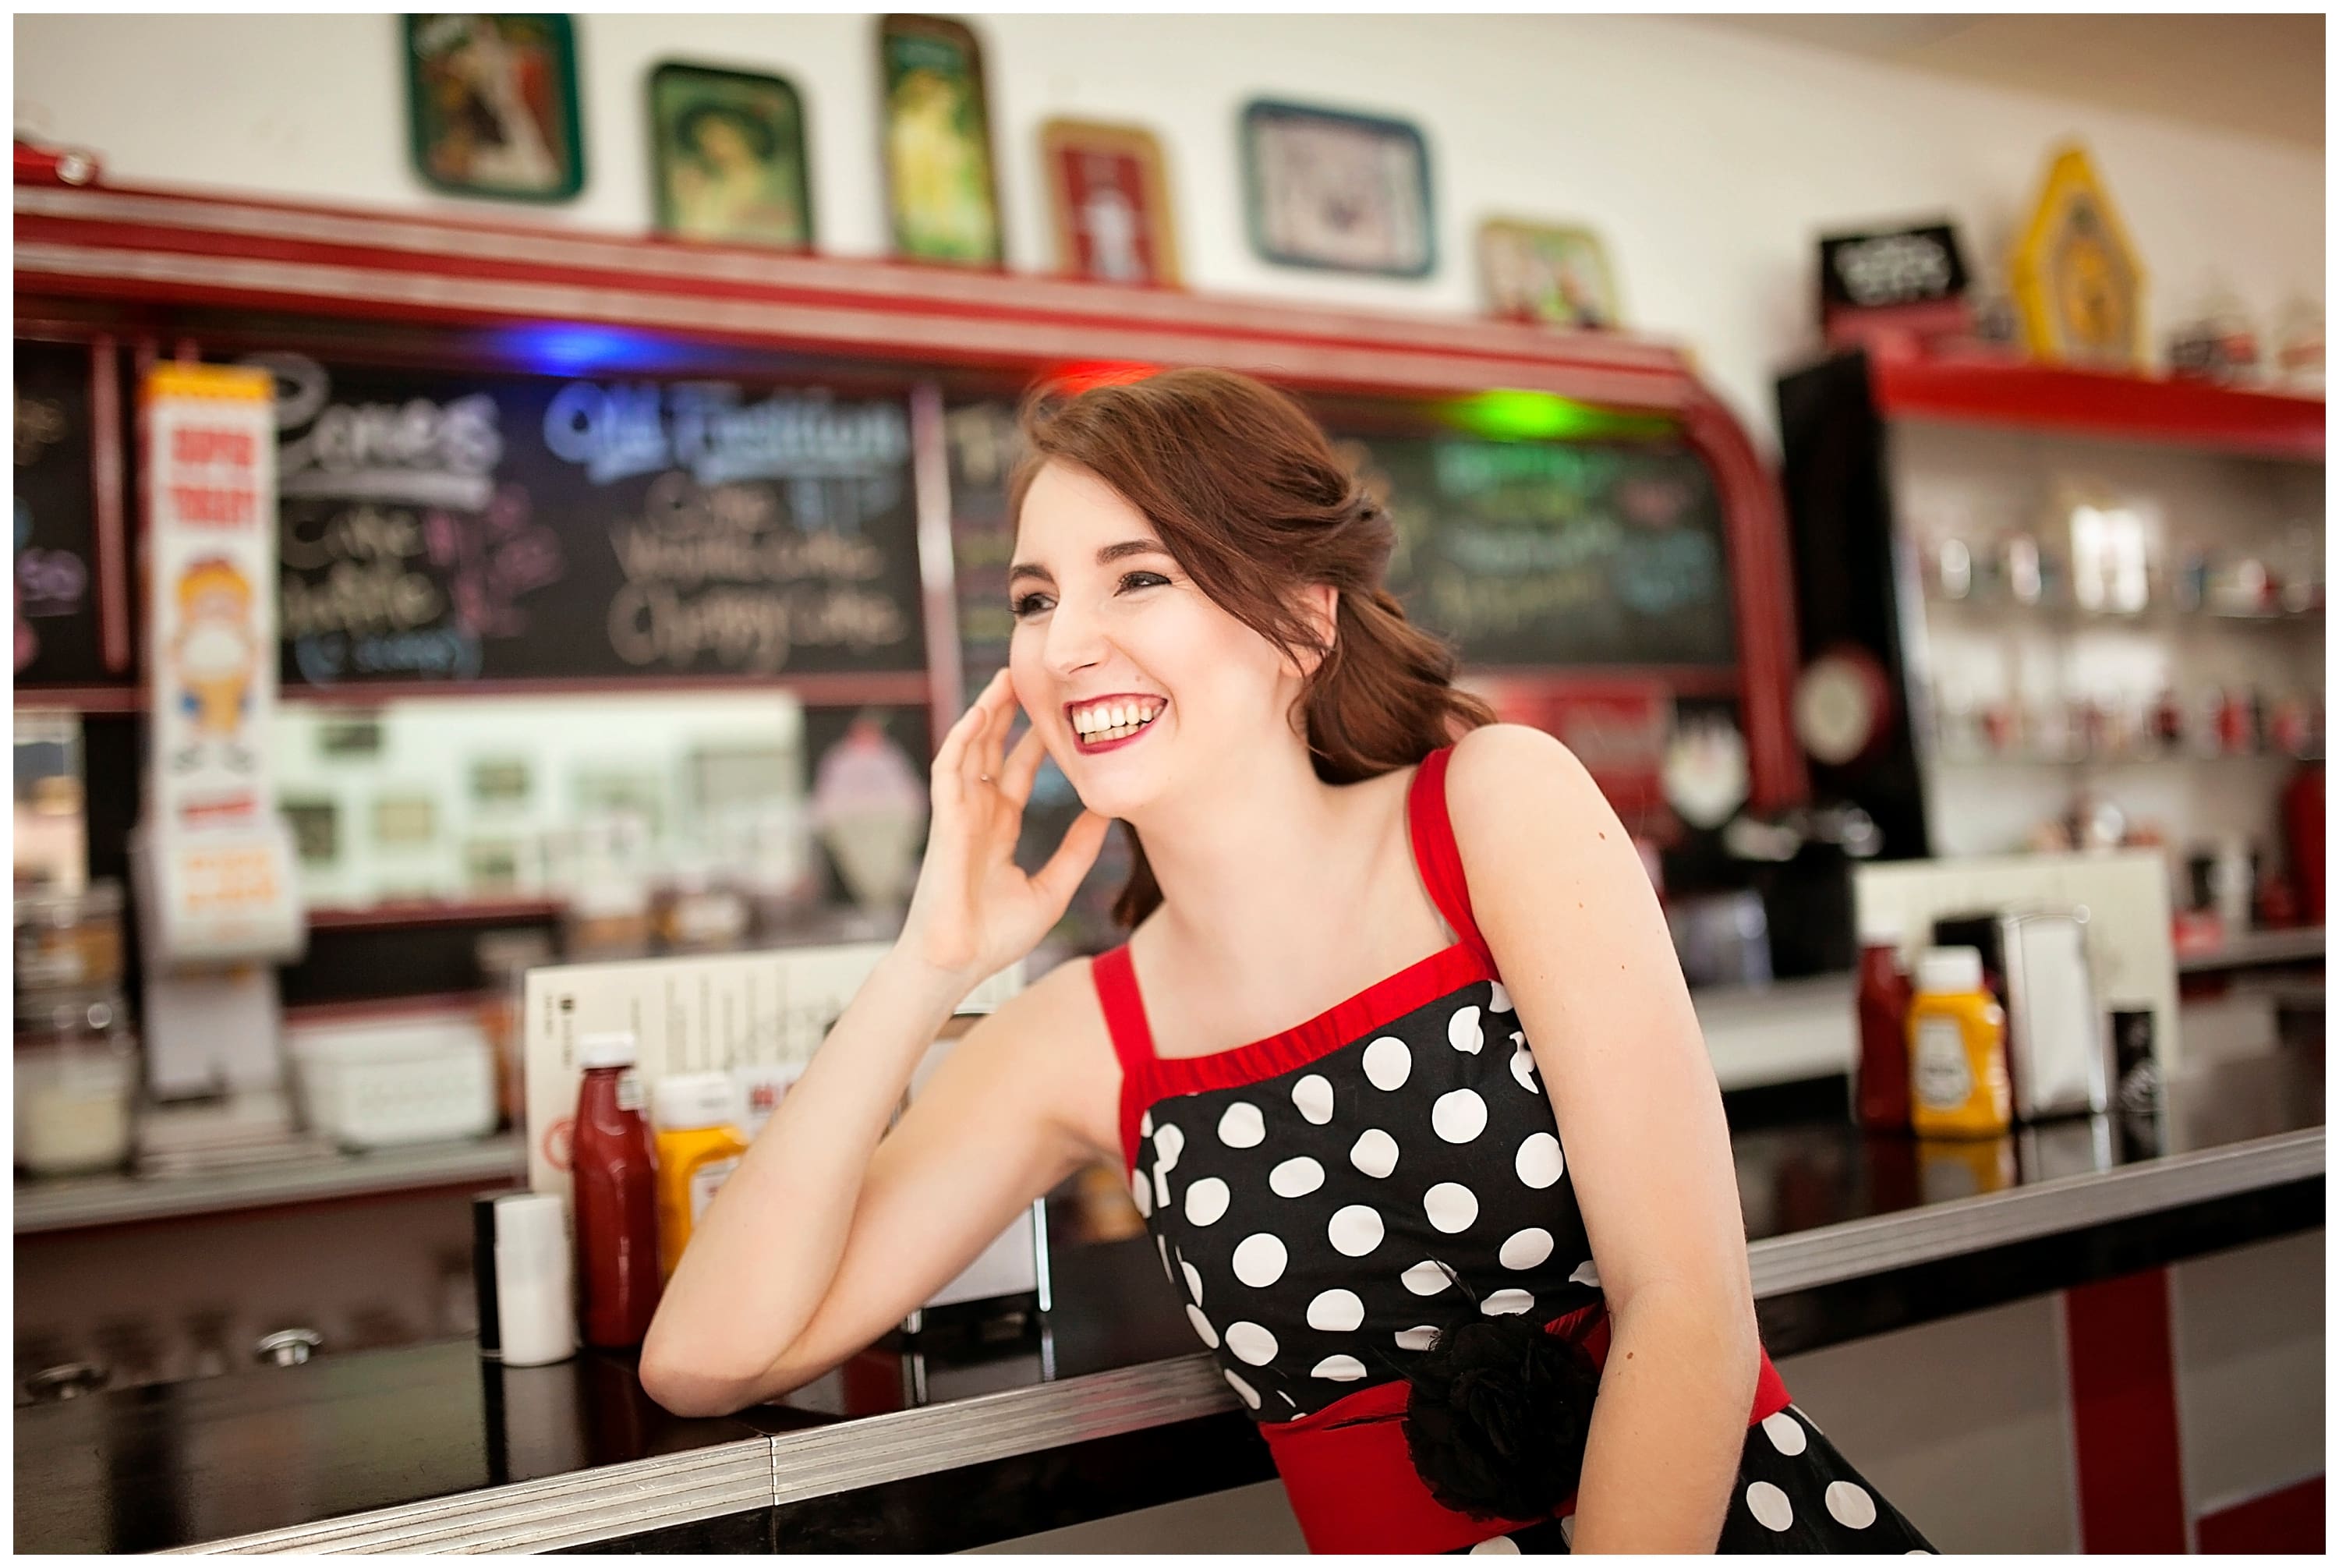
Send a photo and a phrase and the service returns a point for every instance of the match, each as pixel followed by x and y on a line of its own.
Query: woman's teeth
pixel 1114 732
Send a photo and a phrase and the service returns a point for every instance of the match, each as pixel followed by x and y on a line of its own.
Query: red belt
pixel 1354 1489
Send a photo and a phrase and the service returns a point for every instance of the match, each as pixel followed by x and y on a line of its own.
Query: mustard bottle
pixel 697 1149
pixel 1957 1084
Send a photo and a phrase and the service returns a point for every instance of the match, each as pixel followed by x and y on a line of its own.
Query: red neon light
pixel 1075 379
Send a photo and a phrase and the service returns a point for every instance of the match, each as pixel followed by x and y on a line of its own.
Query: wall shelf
pixel 2029 759
pixel 85 1202
pixel 2302 944
pixel 2064 613
pixel 401 913
pixel 1995 390
pixel 903 688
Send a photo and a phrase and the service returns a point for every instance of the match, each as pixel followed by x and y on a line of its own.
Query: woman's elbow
pixel 689 1384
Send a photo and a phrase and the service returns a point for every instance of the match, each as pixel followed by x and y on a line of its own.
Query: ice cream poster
pixel 212 582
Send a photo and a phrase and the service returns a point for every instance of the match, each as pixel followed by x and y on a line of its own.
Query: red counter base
pixel 2287 1519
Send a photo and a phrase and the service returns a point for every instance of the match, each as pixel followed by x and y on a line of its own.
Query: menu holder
pixel 732 1011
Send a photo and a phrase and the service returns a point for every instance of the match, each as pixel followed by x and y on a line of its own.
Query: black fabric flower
pixel 1498 1417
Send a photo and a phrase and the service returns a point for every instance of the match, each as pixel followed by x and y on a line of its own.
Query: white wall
pixel 1711 161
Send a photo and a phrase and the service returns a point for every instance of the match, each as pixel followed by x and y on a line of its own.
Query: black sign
pixel 1544 553
pixel 1904 267
pixel 57 640
pixel 437 526
pixel 983 443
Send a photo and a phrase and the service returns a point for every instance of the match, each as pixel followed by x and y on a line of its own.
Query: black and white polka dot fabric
pixel 1794 1493
pixel 1325 1222
pixel 1326 1199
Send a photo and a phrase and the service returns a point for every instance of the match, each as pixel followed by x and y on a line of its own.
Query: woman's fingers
pixel 994 734
pixel 1022 766
pixel 971 732
pixel 951 756
pixel 1060 877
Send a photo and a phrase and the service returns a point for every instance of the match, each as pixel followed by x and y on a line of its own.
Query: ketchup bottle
pixel 1881 1097
pixel 614 1175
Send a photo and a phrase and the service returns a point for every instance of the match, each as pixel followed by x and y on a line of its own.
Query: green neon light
pixel 1510 414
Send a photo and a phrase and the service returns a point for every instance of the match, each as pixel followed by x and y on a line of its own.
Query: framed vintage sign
pixel 1908 282
pixel 1346 192
pixel 1896 267
pixel 1111 202
pixel 728 156
pixel 941 186
pixel 2077 279
pixel 492 102
pixel 1543 272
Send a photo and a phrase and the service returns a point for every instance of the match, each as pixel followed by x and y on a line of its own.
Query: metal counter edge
pixel 604 1504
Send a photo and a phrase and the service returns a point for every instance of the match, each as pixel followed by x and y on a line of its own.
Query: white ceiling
pixel 2261 75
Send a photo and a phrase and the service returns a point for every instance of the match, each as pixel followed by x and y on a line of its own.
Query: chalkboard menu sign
pixel 57 640
pixel 1532 553
pixel 445 526
pixel 1545 552
pixel 983 443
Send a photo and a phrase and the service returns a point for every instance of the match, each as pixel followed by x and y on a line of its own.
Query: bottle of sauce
pixel 697 1149
pixel 1957 1080
pixel 614 1172
pixel 1880 1092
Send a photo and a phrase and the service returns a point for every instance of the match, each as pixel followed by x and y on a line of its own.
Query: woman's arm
pixel 826 1236
pixel 1561 898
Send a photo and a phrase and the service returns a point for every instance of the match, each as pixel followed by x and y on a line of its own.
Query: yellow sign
pixel 174 378
pixel 2075 276
pixel 218 884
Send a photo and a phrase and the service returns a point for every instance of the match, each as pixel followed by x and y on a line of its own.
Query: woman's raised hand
pixel 974 911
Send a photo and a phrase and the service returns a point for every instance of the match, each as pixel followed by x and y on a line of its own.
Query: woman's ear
pixel 1320 603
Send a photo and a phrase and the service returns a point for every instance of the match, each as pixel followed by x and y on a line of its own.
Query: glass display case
pixel 2090 608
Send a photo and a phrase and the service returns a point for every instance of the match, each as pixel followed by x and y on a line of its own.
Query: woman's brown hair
pixel 1251 500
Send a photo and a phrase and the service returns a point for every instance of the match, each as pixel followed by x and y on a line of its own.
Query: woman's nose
pixel 1072 643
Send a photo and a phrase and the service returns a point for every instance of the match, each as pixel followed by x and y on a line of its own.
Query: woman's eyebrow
pixel 1105 557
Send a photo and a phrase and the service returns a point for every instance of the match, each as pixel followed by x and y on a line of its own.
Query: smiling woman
pixel 1230 485
pixel 1466 1238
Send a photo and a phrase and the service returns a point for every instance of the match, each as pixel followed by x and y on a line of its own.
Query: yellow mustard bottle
pixel 1957 1084
pixel 697 1149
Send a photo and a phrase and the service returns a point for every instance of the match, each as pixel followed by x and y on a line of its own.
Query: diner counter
pixel 982 1430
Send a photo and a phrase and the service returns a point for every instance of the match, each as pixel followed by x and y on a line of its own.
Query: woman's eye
pixel 1029 605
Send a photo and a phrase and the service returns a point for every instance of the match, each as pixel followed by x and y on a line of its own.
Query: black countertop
pixel 447 1449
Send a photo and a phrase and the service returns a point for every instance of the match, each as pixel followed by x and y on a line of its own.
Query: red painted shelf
pixel 2167 410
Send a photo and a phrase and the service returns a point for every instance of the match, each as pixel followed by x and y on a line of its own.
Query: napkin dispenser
pixel 2036 957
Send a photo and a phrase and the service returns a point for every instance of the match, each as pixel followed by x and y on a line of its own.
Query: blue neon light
pixel 574 347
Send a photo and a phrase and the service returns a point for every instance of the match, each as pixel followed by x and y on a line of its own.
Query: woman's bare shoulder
pixel 1496 766
pixel 1527 815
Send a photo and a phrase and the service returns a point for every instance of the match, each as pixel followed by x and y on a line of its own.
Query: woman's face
pixel 1134 627
pixel 722 142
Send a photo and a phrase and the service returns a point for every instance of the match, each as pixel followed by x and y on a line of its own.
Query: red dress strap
pixel 1132 1039
pixel 1437 855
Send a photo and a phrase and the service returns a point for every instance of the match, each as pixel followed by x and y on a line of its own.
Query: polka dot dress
pixel 1323 1224
pixel 1325 1200
pixel 1794 1493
